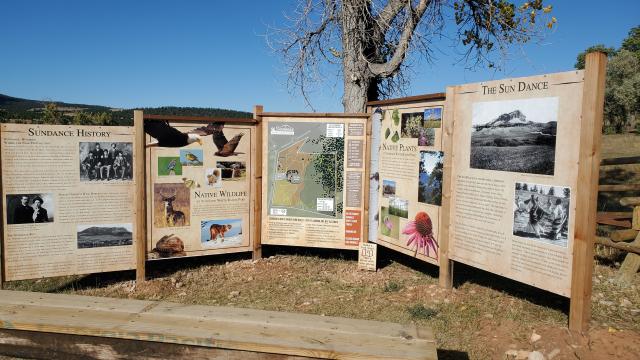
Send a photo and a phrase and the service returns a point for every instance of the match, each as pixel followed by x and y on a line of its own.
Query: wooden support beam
pixel 2 256
pixel 621 160
pixel 139 197
pixel 220 328
pixel 623 235
pixel 619 188
pixel 635 221
pixel 257 174
pixel 630 201
pixel 617 245
pixel 587 192
pixel 630 265
pixel 445 277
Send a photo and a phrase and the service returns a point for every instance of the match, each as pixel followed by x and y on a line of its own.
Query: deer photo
pixel 172 217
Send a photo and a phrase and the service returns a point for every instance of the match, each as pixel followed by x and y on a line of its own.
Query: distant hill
pixel 25 109
pixel 115 231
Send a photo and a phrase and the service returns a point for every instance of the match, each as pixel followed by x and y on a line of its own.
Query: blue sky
pixel 213 53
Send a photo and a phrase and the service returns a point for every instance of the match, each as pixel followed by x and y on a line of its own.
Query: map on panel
pixel 306 169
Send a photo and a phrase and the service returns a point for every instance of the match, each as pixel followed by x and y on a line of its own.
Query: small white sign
pixel 324 204
pixel 280 176
pixel 367 256
pixel 282 130
pixel 335 130
pixel 278 212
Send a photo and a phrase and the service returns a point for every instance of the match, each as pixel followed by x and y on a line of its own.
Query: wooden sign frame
pixel 354 216
pixel 84 134
pixel 254 125
pixel 402 106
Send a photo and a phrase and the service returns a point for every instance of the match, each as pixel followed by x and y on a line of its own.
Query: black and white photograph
pixel 30 208
pixel 541 212
pixel 104 235
pixel 515 135
pixel 106 161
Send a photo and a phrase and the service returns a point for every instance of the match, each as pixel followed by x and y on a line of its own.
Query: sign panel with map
pixel 313 180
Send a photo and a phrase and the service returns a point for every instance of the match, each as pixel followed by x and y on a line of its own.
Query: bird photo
pixel 168 136
pixel 216 130
pixel 169 165
pixel 191 157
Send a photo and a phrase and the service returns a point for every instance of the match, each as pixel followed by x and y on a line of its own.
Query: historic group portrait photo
pixel 104 161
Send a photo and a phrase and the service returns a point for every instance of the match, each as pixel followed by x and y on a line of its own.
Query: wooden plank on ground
pixel 28 344
pixel 214 327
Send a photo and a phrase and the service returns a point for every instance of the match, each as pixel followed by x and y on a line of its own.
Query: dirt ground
pixel 484 316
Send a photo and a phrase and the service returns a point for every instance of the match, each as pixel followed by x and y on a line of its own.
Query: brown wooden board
pixel 313 179
pixel 522 188
pixel 514 142
pixel 200 200
pixel 253 331
pixel 406 175
pixel 86 220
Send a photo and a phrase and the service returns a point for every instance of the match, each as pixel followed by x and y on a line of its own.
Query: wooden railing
pixel 627 238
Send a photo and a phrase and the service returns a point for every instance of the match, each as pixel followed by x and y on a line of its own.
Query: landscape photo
pixel 388 188
pixel 433 117
pixel 399 207
pixel 541 212
pixel 104 235
pixel 430 177
pixel 515 135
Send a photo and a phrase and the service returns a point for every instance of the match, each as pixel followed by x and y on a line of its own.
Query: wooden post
pixel 139 196
pixel 257 190
pixel 445 277
pixel 587 192
pixel 367 176
pixel 2 257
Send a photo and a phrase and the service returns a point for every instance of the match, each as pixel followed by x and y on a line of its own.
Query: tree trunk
pixel 356 76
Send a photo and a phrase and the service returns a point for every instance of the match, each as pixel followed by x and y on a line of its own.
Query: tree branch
pixel 393 64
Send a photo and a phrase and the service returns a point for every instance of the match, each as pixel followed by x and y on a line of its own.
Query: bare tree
pixel 368 41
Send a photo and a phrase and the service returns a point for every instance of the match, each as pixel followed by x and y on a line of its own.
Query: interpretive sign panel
pixel 313 180
pixel 67 200
pixel 514 175
pixel 406 167
pixel 200 198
